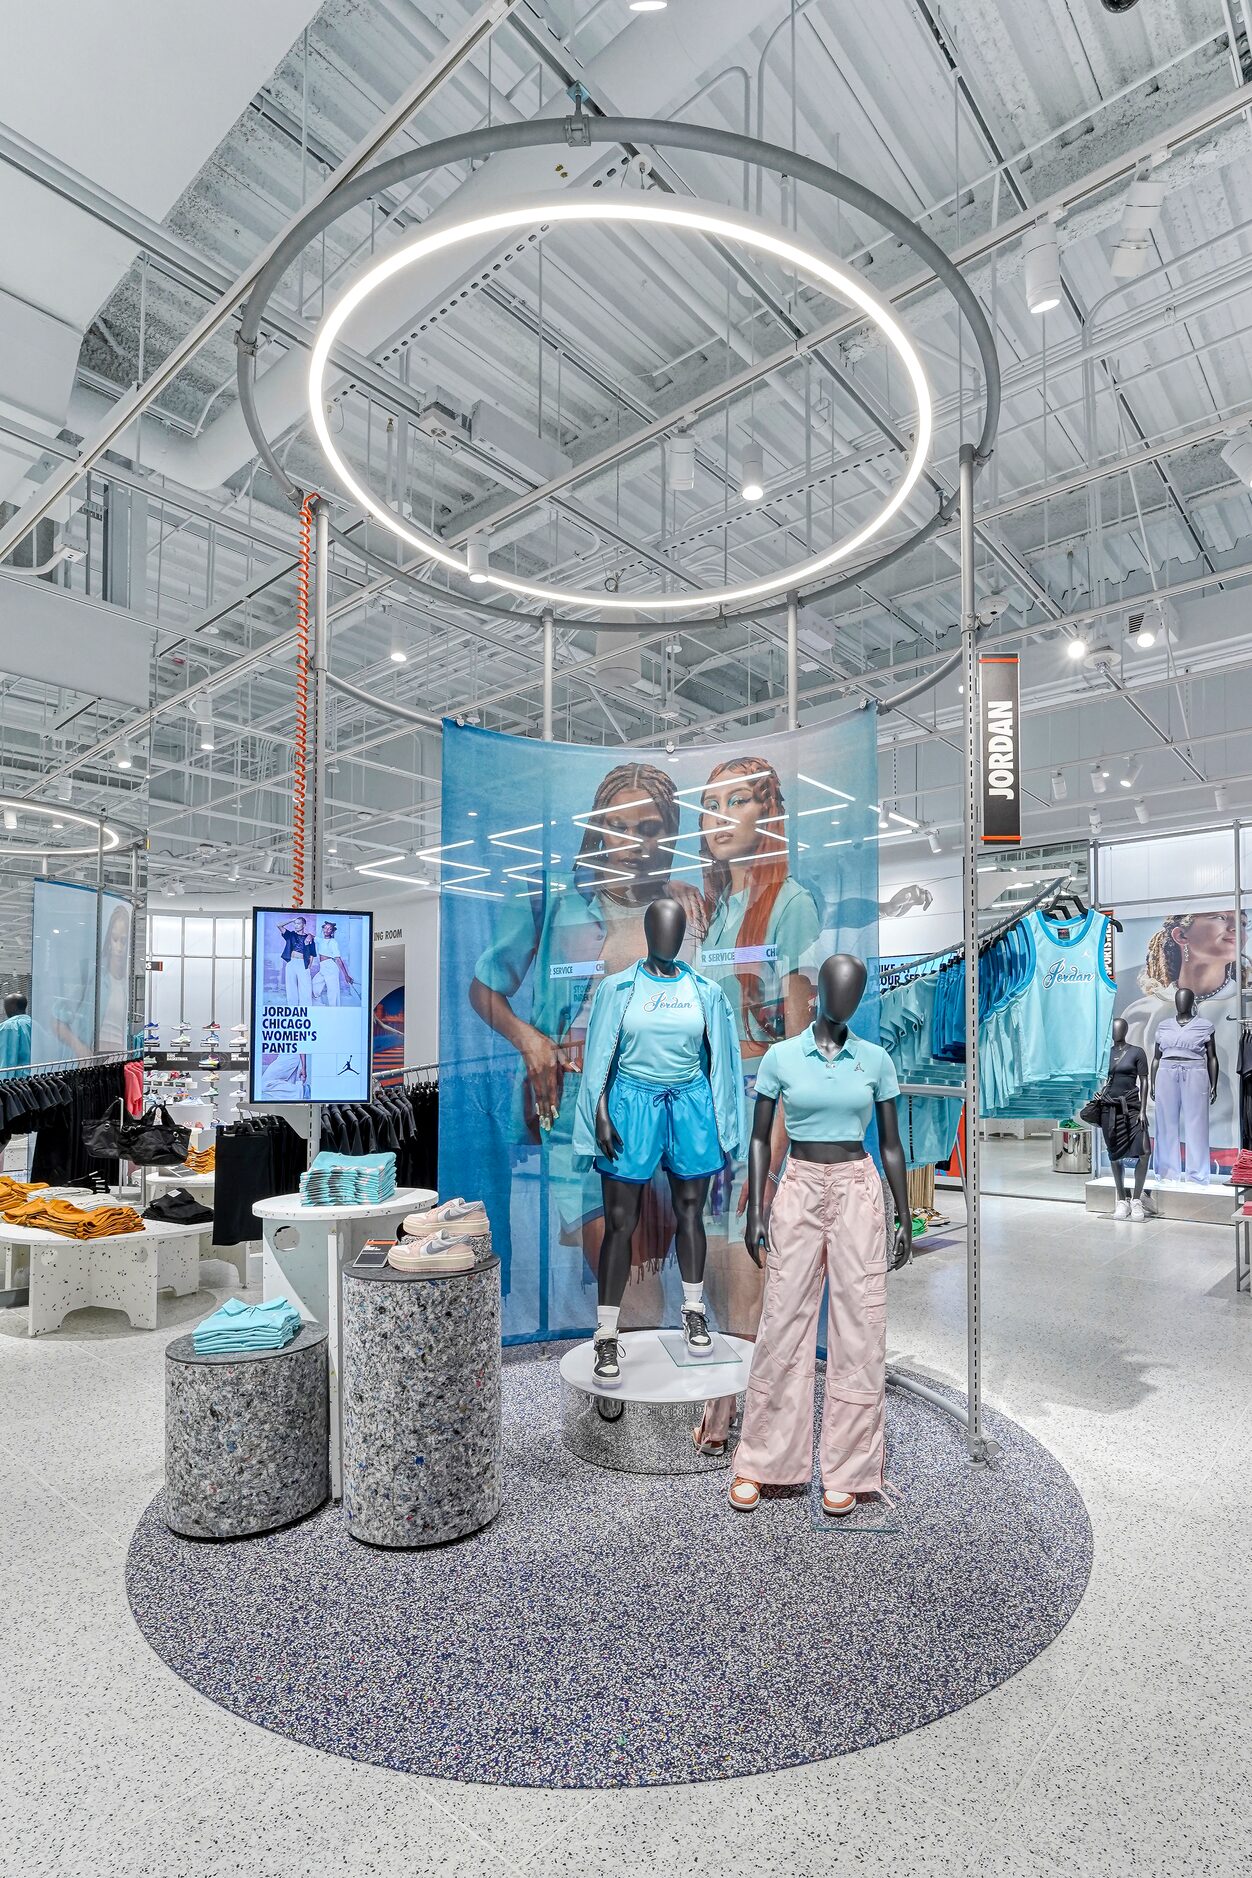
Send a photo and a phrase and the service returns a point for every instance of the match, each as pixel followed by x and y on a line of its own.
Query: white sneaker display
pixel 1136 1210
pixel 1122 1210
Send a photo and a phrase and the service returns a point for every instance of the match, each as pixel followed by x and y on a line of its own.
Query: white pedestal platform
pixel 1171 1199
pixel 643 1423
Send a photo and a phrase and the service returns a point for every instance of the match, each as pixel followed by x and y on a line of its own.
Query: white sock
pixel 693 1297
pixel 606 1319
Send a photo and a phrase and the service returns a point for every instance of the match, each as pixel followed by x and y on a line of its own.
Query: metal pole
pixel 315 890
pixel 549 666
pixel 979 1448
pixel 1242 994
pixel 95 1041
pixel 793 662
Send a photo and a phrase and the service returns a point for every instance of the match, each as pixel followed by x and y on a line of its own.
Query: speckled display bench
pixel 422 1445
pixel 246 1446
pixel 647 1635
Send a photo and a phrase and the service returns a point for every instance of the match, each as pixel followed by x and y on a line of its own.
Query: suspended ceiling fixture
pixel 711 219
pixel 103 838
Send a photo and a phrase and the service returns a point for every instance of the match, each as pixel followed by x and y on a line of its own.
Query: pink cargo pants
pixel 826 1223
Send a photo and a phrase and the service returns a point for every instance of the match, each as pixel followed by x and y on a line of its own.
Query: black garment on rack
pixel 1245 1087
pixel 402 1121
pixel 257 1157
pixel 54 1107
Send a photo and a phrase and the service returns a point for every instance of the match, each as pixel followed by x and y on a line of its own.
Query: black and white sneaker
pixel 696 1332
pixel 608 1363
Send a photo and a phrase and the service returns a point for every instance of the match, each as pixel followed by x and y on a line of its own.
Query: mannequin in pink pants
pixel 826 1226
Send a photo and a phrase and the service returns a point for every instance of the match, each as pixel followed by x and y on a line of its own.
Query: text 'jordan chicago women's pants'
pixel 826 1224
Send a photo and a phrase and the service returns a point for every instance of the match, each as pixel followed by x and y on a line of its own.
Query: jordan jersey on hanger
pixel 1066 1016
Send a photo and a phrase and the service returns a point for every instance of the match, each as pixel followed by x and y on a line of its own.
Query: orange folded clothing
pixel 75 1222
pixel 202 1160
pixel 17 1192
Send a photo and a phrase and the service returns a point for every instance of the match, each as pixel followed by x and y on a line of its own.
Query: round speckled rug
pixel 614 1631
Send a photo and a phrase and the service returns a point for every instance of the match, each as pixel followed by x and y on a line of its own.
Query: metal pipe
pixel 793 662
pixel 388 706
pixel 957 1410
pixel 549 663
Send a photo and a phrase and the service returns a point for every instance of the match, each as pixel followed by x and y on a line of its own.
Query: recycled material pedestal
pixel 422 1441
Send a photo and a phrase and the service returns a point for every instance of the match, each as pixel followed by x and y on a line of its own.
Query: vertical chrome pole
pixel 793 662
pixel 549 666
pixel 95 1040
pixel 978 1449
pixel 316 890
pixel 1240 992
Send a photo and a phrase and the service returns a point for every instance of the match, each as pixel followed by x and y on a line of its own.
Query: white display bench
pixel 303 1253
pixel 121 1272
pixel 643 1423
pixel 1171 1199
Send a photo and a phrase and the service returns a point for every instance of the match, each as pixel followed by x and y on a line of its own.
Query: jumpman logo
pixel 348 1069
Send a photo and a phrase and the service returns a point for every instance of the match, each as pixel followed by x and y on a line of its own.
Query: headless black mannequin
pixel 1184 1011
pixel 1118 1051
pixel 15 1004
pixel 840 988
pixel 664 928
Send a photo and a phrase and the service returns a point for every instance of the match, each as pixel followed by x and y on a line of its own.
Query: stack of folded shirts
pixel 1241 1171
pixel 177 1207
pixel 74 1222
pixel 17 1192
pixel 236 1327
pixel 349 1180
pixel 201 1160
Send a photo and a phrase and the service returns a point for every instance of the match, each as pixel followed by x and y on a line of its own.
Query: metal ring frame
pixel 581 131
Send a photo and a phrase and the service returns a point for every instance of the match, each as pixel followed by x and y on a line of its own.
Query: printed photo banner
pixel 550 856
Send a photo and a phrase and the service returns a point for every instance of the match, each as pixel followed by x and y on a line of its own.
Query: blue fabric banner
pixel 551 854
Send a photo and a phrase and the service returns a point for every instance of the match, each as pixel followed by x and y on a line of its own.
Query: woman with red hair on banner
pixel 761 926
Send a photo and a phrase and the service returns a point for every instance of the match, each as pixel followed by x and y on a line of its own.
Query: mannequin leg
pixel 623 1200
pixel 689 1198
pixel 1141 1174
pixel 1119 1180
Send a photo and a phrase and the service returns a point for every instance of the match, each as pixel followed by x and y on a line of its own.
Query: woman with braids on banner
pixel 566 942
pixel 761 925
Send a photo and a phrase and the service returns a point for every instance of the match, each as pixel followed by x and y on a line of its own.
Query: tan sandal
pixel 838 1503
pixel 744 1493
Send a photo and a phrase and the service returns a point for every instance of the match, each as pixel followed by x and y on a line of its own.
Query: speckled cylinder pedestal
pixel 422 1441
pixel 246 1437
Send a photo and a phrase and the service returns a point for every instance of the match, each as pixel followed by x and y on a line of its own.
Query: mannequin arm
pixel 758 1177
pixel 1156 1057
pixel 893 1166
pixel 1210 1051
pixel 607 1137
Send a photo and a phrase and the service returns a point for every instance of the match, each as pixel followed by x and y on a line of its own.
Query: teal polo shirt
pixel 827 1100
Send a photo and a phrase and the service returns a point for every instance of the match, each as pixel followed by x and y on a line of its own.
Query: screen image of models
pixel 311 1006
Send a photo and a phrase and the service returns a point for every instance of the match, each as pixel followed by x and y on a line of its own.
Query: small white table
pixel 303 1255
pixel 202 1187
pixel 642 1424
pixel 121 1272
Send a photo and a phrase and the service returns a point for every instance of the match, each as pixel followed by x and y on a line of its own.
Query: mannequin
pixel 1184 1088
pixel 661 1086
pixel 826 1221
pixel 1123 1105
pixel 15 1032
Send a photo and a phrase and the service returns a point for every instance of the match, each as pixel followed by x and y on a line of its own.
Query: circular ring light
pixel 111 838
pixel 702 218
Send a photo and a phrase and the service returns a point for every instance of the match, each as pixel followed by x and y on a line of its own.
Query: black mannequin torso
pixel 664 928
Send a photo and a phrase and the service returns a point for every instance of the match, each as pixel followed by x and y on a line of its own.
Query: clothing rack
pixel 1043 901
pixel 77 1062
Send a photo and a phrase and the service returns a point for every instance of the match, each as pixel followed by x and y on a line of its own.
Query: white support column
pixel 793 662
pixel 549 668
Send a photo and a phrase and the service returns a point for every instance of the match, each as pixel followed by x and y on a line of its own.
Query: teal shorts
pixel 673 1127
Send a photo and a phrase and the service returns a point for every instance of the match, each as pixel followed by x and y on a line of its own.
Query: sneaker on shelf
pixel 468 1216
pixel 696 1331
pixel 1122 1210
pixel 209 1062
pixel 443 1252
pixel 607 1366
pixel 1136 1210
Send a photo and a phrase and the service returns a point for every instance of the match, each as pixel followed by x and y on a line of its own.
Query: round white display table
pixel 201 1186
pixel 304 1251
pixel 642 1424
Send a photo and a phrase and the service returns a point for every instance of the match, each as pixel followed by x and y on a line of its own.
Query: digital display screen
pixel 311 1006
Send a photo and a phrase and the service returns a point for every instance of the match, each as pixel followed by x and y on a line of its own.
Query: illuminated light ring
pixel 110 837
pixel 703 218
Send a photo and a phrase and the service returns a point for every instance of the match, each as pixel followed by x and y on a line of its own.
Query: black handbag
pixel 108 1138
pixel 157 1140
pixel 1091 1112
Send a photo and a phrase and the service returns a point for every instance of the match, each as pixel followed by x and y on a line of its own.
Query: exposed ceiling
pixel 1107 487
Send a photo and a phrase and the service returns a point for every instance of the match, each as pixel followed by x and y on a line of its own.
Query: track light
pixel 1042 263
pixel 680 461
pixel 1237 456
pixel 124 756
pixel 397 653
pixel 65 789
pixel 752 473
pixel 1221 798
pixel 271 861
pixel 1130 772
pixel 232 872
pixel 1076 648
pixel 205 717
pixel 10 821
pixel 1093 821
pixel 1060 788
pixel 1141 630
pixel 932 836
pixel 1141 809
pixel 476 559
pixel 1139 212
pixel 648 6
pixel 1099 778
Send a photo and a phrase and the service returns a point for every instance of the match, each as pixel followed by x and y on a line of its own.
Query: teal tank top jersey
pixel 1066 1014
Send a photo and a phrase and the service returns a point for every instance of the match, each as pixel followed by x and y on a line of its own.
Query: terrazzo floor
pixel 1121 1749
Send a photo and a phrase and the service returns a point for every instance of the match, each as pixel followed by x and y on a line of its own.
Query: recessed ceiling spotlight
pixel 1042 263
pixel 752 473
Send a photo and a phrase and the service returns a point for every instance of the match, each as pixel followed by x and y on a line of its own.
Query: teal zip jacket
pixel 721 1061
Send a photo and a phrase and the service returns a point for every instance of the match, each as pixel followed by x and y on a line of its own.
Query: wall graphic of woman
pixel 761 925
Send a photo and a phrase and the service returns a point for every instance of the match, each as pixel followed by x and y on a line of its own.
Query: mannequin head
pixel 1119 1030
pixel 15 1004
pixel 840 986
pixel 664 928
pixel 1184 1001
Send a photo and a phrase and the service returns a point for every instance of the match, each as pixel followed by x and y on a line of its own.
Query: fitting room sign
pixel 1001 748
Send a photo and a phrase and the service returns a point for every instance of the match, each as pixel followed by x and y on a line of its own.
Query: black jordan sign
pixel 1001 748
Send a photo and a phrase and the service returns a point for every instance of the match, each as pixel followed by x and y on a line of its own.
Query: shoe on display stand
pixel 1122 1210
pixel 696 1331
pixel 608 1360
pixel 1136 1210
pixel 442 1252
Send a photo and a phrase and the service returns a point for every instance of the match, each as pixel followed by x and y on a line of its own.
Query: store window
pixel 198 970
